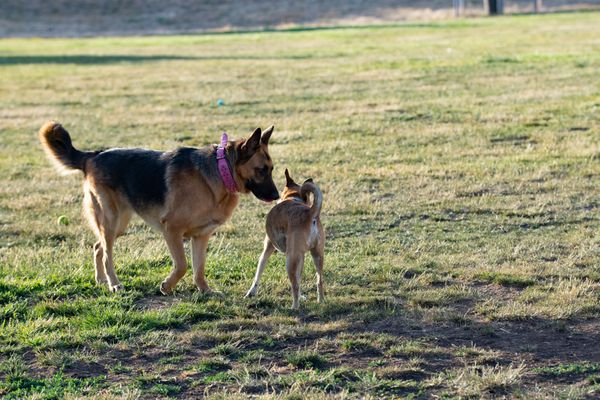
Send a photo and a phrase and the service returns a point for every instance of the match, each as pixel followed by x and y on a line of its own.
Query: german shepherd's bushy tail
pixel 57 144
pixel 310 187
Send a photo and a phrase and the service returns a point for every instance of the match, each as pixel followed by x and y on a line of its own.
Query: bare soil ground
pixel 69 18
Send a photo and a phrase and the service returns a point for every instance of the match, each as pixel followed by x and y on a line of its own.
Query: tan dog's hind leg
pixel 199 246
pixel 268 249
pixel 294 264
pixel 317 256
pixel 175 243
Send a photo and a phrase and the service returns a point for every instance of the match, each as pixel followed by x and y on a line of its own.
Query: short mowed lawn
pixel 460 166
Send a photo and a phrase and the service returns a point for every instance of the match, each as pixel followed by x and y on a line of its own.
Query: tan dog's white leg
pixel 101 278
pixel 199 246
pixel 317 256
pixel 268 249
pixel 175 243
pixel 293 265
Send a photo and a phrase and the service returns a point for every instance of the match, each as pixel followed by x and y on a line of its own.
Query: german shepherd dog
pixel 294 227
pixel 180 193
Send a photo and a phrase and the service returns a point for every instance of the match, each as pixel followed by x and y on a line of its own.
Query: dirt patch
pixel 69 18
pixel 534 341
pixel 153 303
pixel 80 369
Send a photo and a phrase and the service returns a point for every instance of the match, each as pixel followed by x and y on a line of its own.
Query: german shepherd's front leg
pixel 199 246
pixel 175 243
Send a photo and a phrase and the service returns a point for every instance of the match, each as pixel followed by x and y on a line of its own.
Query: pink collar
pixel 223 166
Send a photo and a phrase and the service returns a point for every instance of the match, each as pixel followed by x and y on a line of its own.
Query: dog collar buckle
pixel 223 166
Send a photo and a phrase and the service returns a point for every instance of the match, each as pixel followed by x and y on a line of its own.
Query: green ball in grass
pixel 63 220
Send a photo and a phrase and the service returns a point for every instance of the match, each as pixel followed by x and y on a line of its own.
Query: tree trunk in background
pixel 537 4
pixel 496 7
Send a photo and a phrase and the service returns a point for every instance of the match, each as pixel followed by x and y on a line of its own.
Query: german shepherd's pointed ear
pixel 308 180
pixel 264 139
pixel 288 179
pixel 249 146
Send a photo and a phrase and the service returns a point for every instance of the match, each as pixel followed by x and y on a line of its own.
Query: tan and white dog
pixel 294 227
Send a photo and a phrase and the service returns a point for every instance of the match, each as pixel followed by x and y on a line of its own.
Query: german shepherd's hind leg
pixel 121 220
pixel 103 219
pixel 294 264
pixel 108 221
pixel 317 256
pixel 108 241
pixel 199 246
pixel 90 209
pixel 175 242
pixel 268 249
pixel 101 278
pixel 109 230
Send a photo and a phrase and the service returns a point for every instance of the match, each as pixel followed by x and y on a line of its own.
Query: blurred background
pixel 65 18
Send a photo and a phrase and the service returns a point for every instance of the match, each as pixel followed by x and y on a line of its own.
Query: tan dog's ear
pixel 264 139
pixel 308 180
pixel 288 179
pixel 250 145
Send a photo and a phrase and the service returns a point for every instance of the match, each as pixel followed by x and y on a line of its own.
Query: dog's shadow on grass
pixel 537 338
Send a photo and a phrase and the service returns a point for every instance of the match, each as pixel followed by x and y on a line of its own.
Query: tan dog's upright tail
pixel 59 148
pixel 310 187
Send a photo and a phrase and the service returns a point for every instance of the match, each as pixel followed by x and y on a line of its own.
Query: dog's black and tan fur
pixel 180 193
pixel 294 227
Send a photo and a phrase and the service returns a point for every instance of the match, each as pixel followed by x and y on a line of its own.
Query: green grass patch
pixel 569 369
pixel 505 279
pixel 306 359
pixel 212 364
pixel 49 388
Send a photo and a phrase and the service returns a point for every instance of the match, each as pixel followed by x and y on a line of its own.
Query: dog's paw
pixel 251 293
pixel 117 288
pixel 164 290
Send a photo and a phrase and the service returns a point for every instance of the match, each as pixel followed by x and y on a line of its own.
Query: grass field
pixel 460 164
